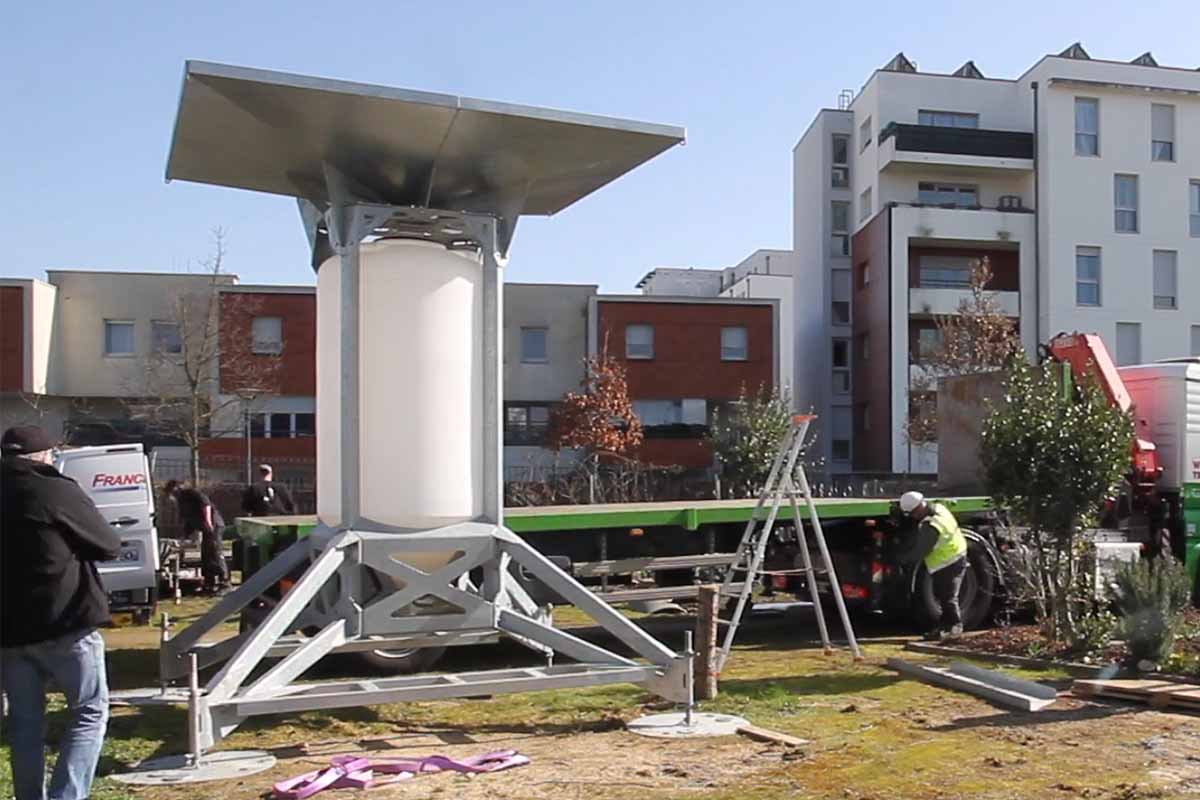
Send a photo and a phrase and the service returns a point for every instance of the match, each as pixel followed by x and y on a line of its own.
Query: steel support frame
pixel 333 597
pixel 501 606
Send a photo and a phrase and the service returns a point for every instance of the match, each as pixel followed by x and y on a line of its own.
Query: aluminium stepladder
pixel 786 472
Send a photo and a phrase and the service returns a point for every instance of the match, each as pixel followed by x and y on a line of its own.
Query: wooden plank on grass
pixel 775 737
pixel 1155 693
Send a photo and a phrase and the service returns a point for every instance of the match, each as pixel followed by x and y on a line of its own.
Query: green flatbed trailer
pixel 648 552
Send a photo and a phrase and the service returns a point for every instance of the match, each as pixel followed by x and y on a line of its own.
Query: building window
pixel 929 341
pixel 866 416
pixel 684 418
pixel 526 423
pixel 864 134
pixel 1162 132
pixel 948 119
pixel 639 341
pixel 283 425
pixel 864 204
pixel 1129 343
pixel 864 351
pixel 1087 276
pixel 840 309
pixel 266 335
pixel 165 337
pixel 1166 282
pixel 841 366
pixel 118 337
pixel 841 161
pixel 1196 341
pixel 840 228
pixel 1125 202
pixel 280 426
pixel 533 345
pixel 734 343
pixel 945 272
pixel 864 274
pixel 948 194
pixel 306 425
pixel 1194 204
pixel 1087 126
pixel 840 435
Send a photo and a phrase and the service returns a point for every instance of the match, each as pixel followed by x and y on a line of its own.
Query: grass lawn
pixel 871 734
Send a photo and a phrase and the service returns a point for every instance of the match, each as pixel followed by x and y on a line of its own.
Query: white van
pixel 117 478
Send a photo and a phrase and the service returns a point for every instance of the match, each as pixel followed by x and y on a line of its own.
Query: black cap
pixel 24 439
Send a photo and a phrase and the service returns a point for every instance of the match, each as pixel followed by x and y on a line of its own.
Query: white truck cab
pixel 117 478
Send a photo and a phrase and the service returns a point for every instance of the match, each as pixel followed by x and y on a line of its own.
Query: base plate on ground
pixel 219 766
pixel 674 726
pixel 149 696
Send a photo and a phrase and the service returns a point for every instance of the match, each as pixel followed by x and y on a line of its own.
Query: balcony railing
pixel 959 141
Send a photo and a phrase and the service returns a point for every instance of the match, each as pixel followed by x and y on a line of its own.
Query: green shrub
pixel 1151 595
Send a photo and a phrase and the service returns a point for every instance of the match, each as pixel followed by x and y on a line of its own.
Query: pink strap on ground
pixel 354 772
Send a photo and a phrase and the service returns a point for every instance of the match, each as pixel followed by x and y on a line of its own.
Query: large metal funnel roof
pixel 277 132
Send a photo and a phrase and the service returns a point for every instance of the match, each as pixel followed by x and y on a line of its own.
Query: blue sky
pixel 89 92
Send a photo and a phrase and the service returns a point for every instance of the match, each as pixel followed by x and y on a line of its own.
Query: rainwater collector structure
pixel 409 201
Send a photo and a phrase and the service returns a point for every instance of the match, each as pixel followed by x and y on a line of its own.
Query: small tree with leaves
pixel 978 337
pixel 746 439
pixel 1052 458
pixel 599 418
pixel 179 391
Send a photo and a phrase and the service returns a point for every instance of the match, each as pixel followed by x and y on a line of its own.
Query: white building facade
pixel 1080 181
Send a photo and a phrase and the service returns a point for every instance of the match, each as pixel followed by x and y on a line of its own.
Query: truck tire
pixel 979 590
pixel 402 662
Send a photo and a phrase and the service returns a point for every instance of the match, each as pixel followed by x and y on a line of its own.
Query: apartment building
pixel 765 274
pixel 1079 180
pixel 545 347
pixel 77 347
pixel 74 351
pixel 266 397
pixel 686 358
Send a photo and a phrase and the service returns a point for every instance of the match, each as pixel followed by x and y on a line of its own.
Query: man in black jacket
pixel 201 518
pixel 53 601
pixel 267 498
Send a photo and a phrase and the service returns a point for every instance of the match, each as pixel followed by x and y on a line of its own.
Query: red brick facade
pixel 231 451
pixel 870 361
pixel 294 371
pixel 687 360
pixel 12 338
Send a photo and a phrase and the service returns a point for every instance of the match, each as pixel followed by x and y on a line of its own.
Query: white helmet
pixel 910 501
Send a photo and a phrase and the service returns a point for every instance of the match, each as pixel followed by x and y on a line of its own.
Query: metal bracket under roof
pixel 335 143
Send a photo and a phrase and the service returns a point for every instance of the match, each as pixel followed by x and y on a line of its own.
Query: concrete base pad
pixel 220 766
pixel 150 696
pixel 673 726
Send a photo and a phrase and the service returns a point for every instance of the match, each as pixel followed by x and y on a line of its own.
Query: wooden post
pixel 708 603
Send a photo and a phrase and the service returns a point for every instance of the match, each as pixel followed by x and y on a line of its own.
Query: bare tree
pixel 978 337
pixel 183 376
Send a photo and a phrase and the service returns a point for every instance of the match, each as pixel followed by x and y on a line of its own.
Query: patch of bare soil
pixel 565 766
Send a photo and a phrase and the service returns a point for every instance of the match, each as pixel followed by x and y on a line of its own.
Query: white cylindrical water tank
pixel 420 383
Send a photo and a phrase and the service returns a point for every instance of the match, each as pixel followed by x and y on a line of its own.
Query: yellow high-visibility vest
pixel 951 544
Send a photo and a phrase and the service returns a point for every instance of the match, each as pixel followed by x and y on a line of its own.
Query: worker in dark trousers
pixel 51 602
pixel 201 517
pixel 265 498
pixel 940 542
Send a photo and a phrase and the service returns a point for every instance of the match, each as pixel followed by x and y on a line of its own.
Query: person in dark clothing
pixel 52 603
pixel 266 498
pixel 201 518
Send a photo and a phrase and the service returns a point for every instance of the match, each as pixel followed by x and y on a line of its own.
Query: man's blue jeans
pixel 75 664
